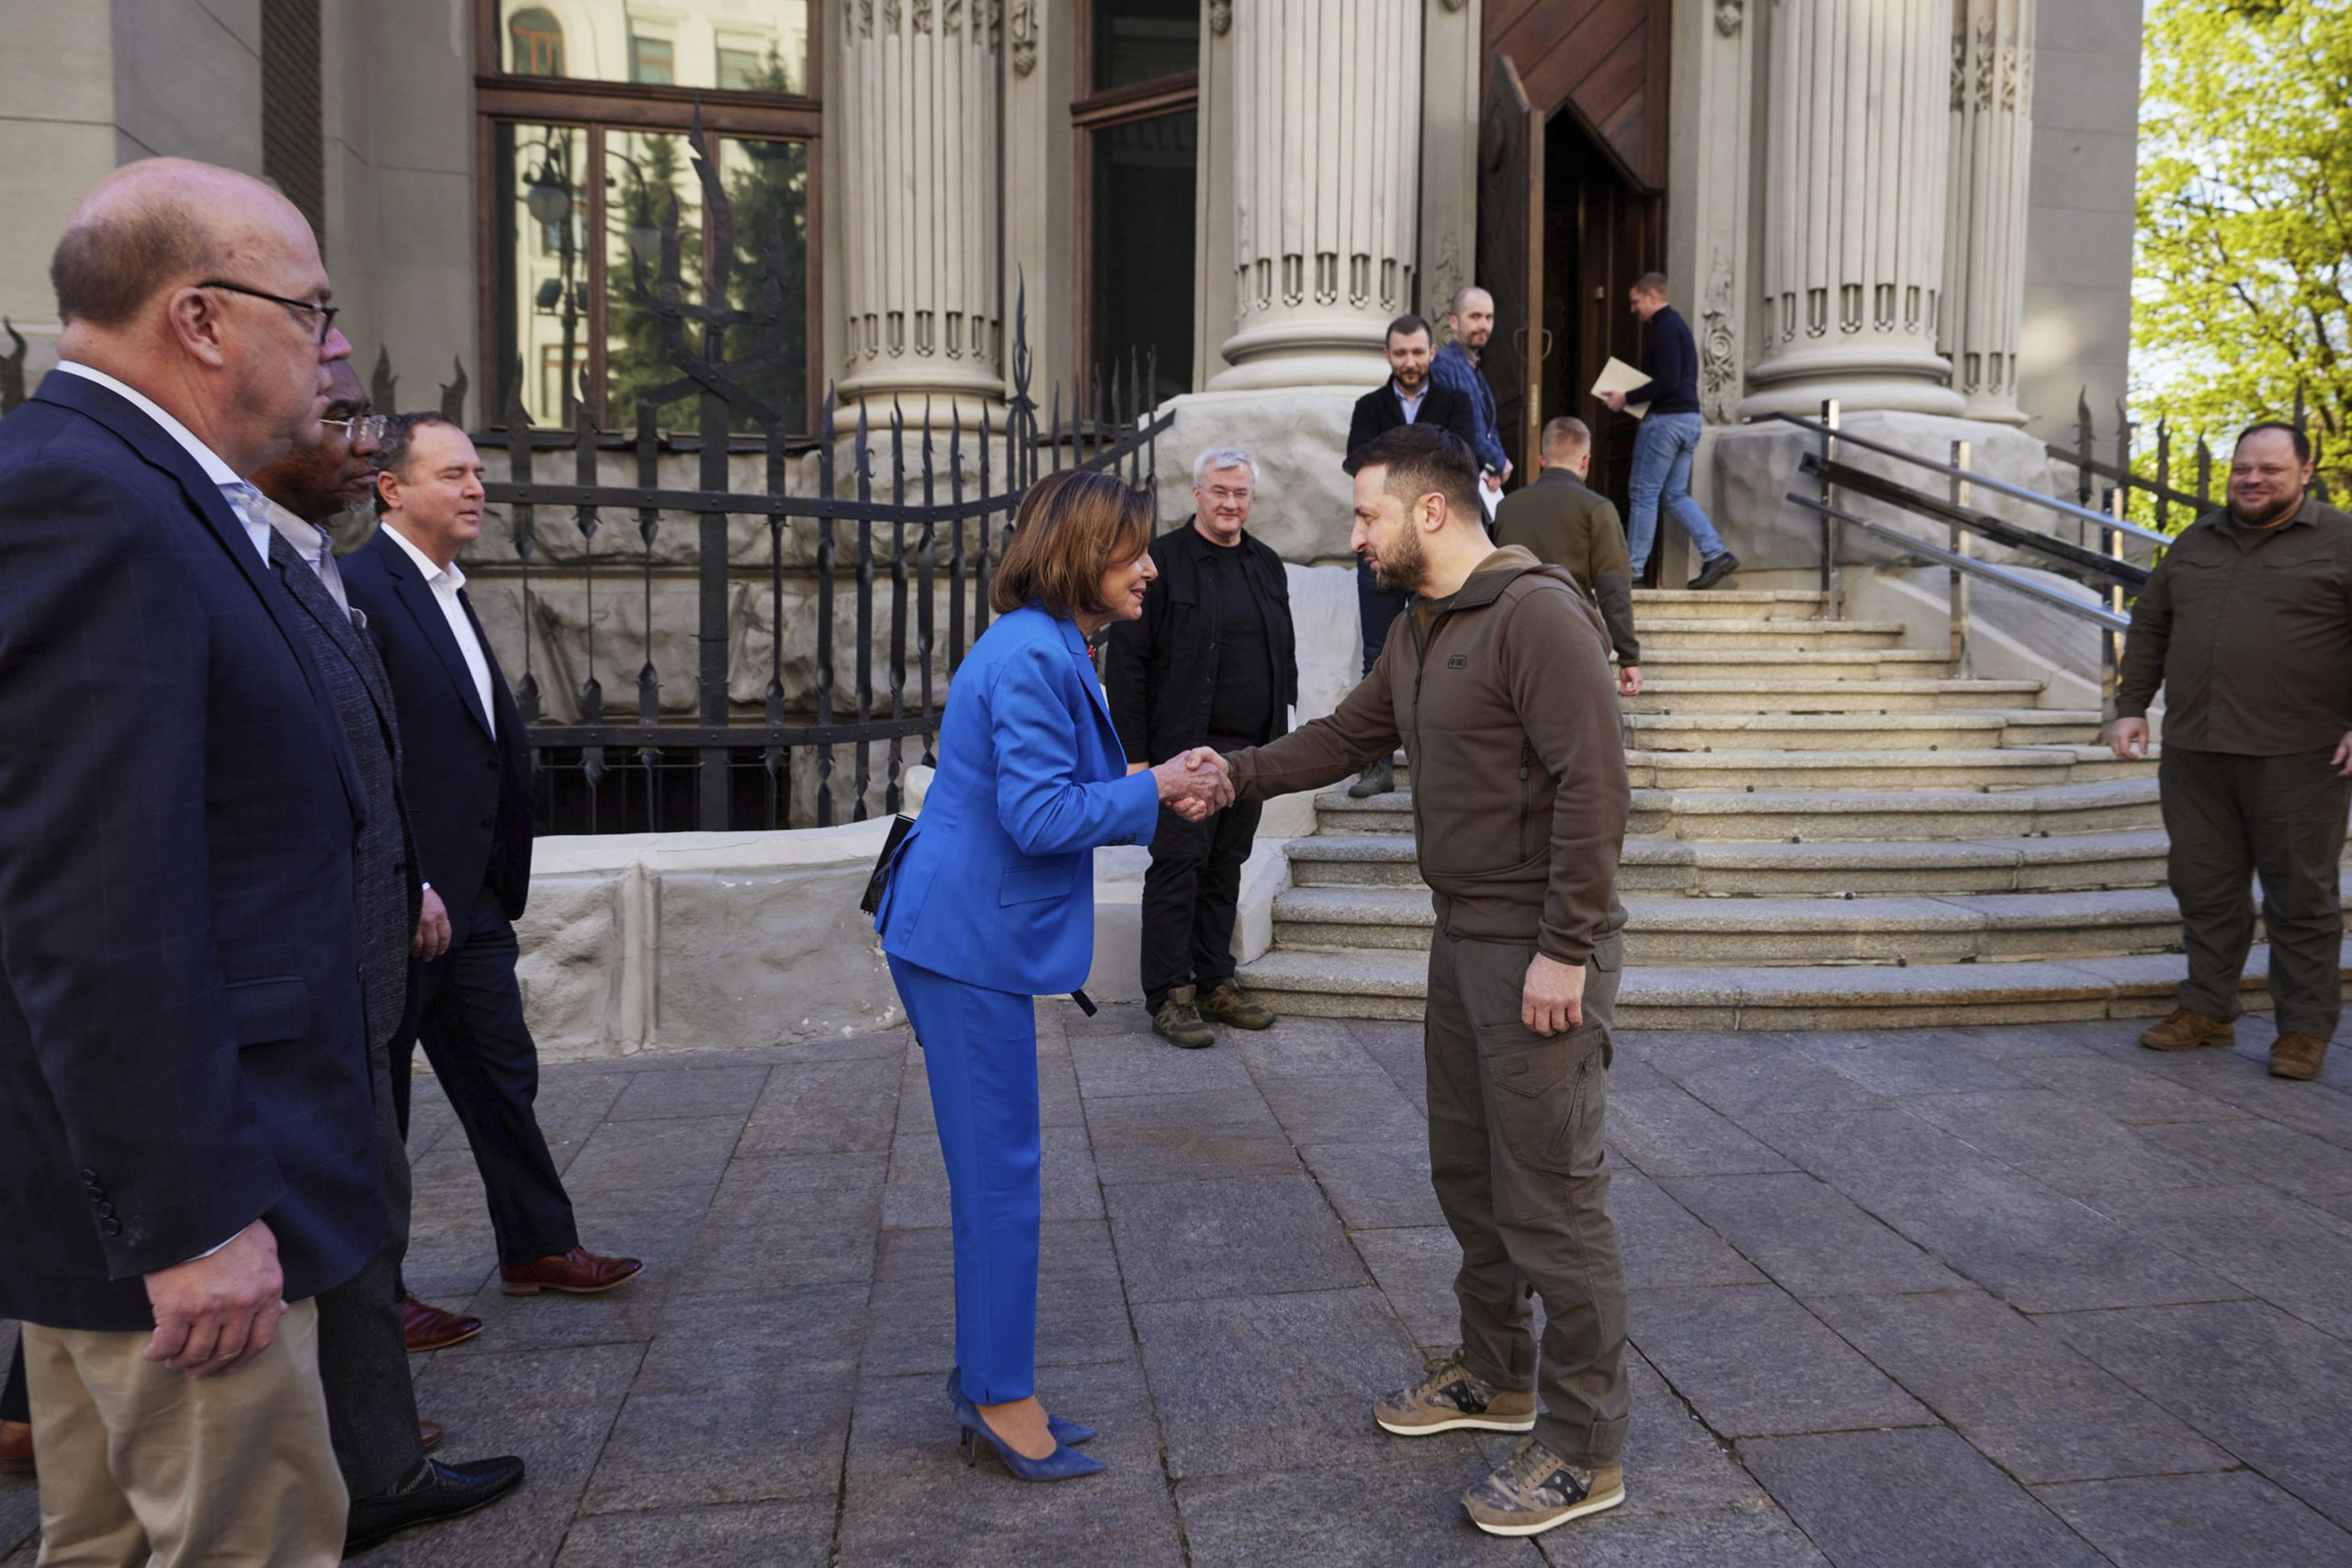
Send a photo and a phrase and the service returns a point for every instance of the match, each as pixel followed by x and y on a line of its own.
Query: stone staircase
pixel 1829 830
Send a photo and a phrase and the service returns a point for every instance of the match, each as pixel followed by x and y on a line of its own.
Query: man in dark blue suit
pixel 183 1087
pixel 465 774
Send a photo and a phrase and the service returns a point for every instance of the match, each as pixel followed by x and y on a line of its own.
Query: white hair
pixel 1217 457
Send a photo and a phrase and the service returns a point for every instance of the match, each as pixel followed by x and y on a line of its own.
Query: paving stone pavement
pixel 2015 1296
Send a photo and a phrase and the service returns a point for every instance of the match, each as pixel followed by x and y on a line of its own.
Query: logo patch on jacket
pixel 1459 662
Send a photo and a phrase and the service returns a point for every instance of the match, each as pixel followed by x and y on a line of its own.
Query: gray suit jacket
pixel 384 874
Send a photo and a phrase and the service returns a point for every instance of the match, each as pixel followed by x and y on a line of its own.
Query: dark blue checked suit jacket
pixel 181 1049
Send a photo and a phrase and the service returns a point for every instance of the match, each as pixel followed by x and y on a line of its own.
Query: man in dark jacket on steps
pixel 1563 523
pixel 1667 439
pixel 1501 692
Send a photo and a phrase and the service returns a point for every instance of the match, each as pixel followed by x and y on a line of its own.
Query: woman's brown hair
pixel 1072 529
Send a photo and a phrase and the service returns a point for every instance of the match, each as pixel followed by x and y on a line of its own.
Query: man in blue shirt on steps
pixel 1667 439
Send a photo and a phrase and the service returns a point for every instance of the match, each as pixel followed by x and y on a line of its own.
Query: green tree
pixel 2243 292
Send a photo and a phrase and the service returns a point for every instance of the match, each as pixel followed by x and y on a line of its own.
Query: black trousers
pixel 363 1349
pixel 1190 894
pixel 2232 819
pixel 16 1405
pixel 1377 608
pixel 465 1009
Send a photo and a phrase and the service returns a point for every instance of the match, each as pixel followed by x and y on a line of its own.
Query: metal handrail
pixel 1878 487
pixel 2001 486
pixel 2107 620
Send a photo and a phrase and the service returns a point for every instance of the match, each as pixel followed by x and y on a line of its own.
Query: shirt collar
pixel 1412 399
pixel 215 467
pixel 309 540
pixel 433 574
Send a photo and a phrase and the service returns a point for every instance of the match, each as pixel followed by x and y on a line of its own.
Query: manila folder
pixel 1619 376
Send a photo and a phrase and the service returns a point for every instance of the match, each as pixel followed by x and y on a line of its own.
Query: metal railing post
pixel 2111 642
pixel 1832 578
pixel 1957 592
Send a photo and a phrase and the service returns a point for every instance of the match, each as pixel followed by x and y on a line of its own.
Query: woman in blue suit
pixel 990 902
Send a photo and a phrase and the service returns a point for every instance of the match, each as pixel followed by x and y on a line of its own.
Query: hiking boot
pixel 1715 572
pixel 2186 1031
pixel 1451 1398
pixel 1228 1003
pixel 1178 1021
pixel 2297 1055
pixel 1538 1490
pixel 1378 779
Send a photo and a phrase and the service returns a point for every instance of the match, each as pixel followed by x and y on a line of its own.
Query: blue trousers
pixel 981 1049
pixel 1662 452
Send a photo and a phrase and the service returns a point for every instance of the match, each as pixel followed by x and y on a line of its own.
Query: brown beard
pixel 1405 571
pixel 2279 514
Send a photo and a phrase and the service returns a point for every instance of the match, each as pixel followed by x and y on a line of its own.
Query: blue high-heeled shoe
pixel 1065 1464
pixel 1065 1431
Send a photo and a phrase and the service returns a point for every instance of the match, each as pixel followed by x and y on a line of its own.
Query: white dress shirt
pixel 1412 405
pixel 250 506
pixel 317 551
pixel 444 581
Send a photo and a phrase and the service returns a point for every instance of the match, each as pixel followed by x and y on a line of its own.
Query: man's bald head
pixel 151 224
pixel 201 289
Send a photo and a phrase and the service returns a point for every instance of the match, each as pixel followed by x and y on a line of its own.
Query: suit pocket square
pixel 263 1011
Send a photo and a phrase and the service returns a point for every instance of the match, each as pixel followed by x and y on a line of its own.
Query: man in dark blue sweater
pixel 1669 436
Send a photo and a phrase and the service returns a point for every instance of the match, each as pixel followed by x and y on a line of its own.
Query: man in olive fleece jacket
pixel 1502 696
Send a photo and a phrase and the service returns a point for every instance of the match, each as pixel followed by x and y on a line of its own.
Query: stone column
pixel 1858 162
pixel 1985 225
pixel 1327 146
pixel 917 82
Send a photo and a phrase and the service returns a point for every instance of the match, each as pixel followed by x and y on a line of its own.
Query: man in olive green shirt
pixel 2247 626
pixel 1570 526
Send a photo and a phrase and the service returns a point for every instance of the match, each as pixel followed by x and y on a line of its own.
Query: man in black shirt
pixel 1668 437
pixel 1212 663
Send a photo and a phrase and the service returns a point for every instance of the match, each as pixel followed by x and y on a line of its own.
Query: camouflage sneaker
pixel 1228 1003
pixel 1178 1021
pixel 1451 1398
pixel 1538 1490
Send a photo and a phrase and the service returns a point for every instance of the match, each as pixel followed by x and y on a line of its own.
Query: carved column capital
pixel 1022 19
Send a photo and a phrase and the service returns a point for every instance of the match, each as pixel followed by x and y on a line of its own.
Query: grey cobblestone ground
pixel 2025 1295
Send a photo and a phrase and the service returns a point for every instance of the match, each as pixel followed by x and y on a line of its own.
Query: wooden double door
pixel 1562 233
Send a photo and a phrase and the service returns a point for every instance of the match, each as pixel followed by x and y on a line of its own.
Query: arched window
pixel 535 43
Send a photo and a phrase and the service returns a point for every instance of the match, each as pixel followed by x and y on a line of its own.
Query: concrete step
pixel 1791 664
pixel 2005 767
pixel 2111 804
pixel 1834 869
pixel 1956 730
pixel 1676 694
pixel 1710 931
pixel 1725 997
pixel 1727 604
pixel 1662 636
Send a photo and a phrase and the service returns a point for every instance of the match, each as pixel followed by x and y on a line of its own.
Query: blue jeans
pixel 1662 451
pixel 980 1049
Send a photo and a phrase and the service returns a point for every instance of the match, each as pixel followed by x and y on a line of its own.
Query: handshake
pixel 1194 784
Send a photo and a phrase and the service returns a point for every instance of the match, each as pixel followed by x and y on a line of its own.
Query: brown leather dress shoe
pixel 2186 1031
pixel 430 1328
pixel 578 1273
pixel 430 1434
pixel 2297 1055
pixel 15 1447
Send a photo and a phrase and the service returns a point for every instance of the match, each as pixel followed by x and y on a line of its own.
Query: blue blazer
pixel 995 886
pixel 469 792
pixel 182 1048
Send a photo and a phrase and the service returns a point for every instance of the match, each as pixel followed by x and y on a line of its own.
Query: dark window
pixel 1138 121
pixel 1142 41
pixel 293 151
pixel 1142 262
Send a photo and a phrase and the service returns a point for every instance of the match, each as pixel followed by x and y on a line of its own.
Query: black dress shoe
pixel 443 1492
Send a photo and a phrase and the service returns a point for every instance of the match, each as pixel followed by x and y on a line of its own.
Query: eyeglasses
pixel 368 427
pixel 326 313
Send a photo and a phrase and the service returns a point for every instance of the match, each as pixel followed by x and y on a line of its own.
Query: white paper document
pixel 1619 376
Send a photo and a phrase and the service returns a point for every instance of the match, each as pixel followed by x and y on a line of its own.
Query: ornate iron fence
pixel 2182 485
pixel 910 524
